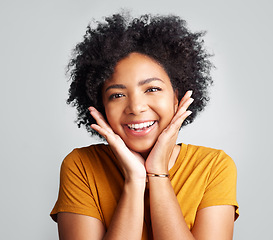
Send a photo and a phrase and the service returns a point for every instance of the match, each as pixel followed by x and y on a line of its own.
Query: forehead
pixel 138 67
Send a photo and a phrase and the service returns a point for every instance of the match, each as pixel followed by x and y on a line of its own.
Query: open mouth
pixel 140 126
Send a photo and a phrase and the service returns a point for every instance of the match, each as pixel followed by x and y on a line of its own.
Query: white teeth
pixel 141 125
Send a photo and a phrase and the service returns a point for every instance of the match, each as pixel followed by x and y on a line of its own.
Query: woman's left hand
pixel 159 157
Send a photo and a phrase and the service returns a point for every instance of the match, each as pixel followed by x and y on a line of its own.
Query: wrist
pixel 135 182
pixel 158 171
pixel 161 168
pixel 134 177
pixel 160 175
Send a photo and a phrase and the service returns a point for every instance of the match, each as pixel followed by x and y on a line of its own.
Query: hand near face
pixel 143 114
pixel 131 162
pixel 159 157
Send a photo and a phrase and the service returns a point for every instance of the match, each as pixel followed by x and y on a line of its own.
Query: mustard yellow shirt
pixel 91 182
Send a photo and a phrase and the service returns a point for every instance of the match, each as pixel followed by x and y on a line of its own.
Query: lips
pixel 140 129
pixel 140 126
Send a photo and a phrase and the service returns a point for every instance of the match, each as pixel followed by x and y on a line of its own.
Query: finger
pixel 173 129
pixel 182 118
pixel 100 130
pixel 99 119
pixel 182 109
pixel 176 124
pixel 187 95
pixel 185 105
pixel 109 136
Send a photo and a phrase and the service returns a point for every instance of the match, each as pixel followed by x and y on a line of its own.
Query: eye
pixel 116 95
pixel 153 89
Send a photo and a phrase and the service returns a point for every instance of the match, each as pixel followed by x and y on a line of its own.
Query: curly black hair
pixel 166 39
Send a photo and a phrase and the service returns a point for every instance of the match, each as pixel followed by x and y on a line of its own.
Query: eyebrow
pixel 141 83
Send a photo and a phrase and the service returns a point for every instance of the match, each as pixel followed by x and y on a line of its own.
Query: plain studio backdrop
pixel 37 128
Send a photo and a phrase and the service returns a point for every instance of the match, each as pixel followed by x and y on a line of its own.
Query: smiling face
pixel 139 101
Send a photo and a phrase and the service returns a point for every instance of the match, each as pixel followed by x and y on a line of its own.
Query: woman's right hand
pixel 132 163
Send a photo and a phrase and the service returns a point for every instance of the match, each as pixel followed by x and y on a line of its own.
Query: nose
pixel 136 105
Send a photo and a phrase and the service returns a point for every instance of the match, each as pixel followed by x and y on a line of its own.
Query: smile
pixel 140 126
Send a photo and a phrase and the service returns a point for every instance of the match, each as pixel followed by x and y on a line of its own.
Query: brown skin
pixel 140 91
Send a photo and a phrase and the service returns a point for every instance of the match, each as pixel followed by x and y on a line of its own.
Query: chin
pixel 139 148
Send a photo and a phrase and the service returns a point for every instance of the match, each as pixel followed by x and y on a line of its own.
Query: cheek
pixel 112 113
pixel 166 107
pixel 170 102
pixel 108 113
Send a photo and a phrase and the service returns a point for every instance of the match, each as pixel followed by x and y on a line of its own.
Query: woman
pixel 133 83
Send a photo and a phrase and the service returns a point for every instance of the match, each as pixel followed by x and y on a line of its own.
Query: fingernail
pixel 90 109
pixel 190 92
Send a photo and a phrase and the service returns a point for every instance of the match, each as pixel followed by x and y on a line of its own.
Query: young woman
pixel 133 82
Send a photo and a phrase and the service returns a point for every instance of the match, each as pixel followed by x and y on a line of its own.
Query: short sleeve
pixel 221 184
pixel 75 194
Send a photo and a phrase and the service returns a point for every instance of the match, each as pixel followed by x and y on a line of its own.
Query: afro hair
pixel 166 39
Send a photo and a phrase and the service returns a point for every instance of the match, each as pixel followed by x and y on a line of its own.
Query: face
pixel 139 101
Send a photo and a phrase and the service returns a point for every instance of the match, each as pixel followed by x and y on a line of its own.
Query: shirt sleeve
pixel 75 195
pixel 221 184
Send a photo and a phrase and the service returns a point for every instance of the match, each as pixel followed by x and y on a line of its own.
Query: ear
pixel 176 102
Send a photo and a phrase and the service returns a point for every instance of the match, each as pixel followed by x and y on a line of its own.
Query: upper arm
pixel 75 226
pixel 214 222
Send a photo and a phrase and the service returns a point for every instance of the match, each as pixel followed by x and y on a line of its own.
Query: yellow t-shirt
pixel 91 182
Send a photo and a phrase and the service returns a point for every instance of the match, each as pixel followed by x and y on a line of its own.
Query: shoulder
pixel 216 162
pixel 208 156
pixel 196 149
pixel 89 155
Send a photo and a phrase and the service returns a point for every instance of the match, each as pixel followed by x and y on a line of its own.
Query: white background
pixel 37 129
